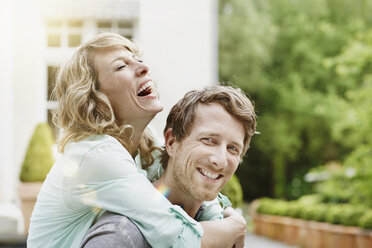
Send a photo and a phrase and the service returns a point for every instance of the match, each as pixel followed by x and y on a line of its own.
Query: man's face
pixel 202 163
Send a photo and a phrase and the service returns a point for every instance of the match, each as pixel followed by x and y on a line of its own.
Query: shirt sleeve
pixel 108 179
pixel 213 210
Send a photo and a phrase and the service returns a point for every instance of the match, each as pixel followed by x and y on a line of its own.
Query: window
pixel 54 40
pixel 51 75
pixel 64 33
pixel 124 28
pixel 104 25
pixel 74 40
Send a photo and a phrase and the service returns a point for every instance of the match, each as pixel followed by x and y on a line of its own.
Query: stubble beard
pixel 187 184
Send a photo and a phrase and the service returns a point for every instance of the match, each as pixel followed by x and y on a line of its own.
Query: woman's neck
pixel 138 129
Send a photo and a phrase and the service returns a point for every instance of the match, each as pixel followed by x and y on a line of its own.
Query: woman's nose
pixel 142 69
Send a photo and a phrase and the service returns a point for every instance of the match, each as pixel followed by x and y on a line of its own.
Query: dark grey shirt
pixel 114 230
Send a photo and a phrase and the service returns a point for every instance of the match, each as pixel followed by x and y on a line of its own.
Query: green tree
pixel 306 64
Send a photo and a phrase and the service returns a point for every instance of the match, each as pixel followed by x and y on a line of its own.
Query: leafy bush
pixel 234 191
pixel 265 206
pixel 366 220
pixel 359 163
pixel 309 208
pixel 39 156
pixel 319 212
pixel 295 209
pixel 274 207
pixel 310 199
pixel 335 213
pixel 305 213
pixel 281 208
pixel 352 215
pixel 314 212
pixel 348 182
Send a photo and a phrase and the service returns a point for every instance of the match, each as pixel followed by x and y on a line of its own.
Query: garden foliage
pixel 307 65
pixel 344 214
pixel 234 191
pixel 39 156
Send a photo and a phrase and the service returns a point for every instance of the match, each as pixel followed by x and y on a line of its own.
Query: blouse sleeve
pixel 108 179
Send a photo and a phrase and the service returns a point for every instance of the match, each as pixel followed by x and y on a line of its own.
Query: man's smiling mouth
pixel 145 89
pixel 209 175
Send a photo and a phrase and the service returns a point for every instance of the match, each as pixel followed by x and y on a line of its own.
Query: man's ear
pixel 170 141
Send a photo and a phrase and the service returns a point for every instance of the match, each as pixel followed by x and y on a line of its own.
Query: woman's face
pixel 125 80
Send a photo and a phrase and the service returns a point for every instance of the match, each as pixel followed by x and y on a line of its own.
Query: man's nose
pixel 219 158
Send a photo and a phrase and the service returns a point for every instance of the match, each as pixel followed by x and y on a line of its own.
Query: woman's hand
pixel 238 223
pixel 229 232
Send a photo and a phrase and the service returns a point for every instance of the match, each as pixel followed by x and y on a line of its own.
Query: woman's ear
pixel 170 141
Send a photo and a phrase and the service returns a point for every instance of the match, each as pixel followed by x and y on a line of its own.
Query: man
pixel 206 135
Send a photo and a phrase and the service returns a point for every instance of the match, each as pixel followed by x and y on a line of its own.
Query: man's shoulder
pixel 114 230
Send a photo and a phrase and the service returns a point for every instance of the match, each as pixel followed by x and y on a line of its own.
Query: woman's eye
pixel 140 61
pixel 120 67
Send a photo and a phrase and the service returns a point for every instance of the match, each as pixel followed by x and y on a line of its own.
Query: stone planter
pixel 292 231
pixel 364 239
pixel 285 229
pixel 315 237
pixel 28 193
pixel 347 236
pixel 311 234
pixel 259 225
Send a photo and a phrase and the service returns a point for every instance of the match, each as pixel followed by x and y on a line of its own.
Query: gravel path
pixel 251 241
pixel 254 241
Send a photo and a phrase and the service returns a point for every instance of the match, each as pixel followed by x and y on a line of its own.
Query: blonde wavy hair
pixel 83 109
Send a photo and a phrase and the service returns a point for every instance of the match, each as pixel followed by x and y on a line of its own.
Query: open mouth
pixel 145 89
pixel 210 175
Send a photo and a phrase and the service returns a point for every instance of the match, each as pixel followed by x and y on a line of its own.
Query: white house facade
pixel 178 37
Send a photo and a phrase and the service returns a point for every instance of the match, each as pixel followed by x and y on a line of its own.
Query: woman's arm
pixel 229 232
pixel 108 179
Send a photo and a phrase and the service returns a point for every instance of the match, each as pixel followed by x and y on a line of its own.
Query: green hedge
pixel 309 208
pixel 39 156
pixel 352 215
pixel 366 220
pixel 234 191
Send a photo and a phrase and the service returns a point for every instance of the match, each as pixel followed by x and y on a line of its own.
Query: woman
pixel 106 100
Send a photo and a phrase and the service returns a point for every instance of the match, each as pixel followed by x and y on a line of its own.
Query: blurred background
pixel 307 65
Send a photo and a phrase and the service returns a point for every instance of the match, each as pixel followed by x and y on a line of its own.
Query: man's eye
pixel 233 149
pixel 207 140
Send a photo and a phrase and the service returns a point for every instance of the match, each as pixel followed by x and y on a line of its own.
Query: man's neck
pixel 177 197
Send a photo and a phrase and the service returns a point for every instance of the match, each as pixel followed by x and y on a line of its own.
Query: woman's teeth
pixel 208 174
pixel 145 89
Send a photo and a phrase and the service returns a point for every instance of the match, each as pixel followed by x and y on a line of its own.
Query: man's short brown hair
pixel 181 116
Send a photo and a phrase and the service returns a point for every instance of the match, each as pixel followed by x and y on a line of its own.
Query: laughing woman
pixel 106 100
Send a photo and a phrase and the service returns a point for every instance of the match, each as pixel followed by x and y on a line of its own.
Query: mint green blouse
pixel 98 174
